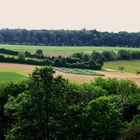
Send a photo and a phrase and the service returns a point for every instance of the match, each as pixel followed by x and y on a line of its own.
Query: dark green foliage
pixel 21 56
pixel 102 120
pixel 114 86
pixel 11 52
pixel 93 61
pixel 37 110
pixel 69 38
pixel 133 132
pixel 77 60
pixel 109 56
pixel 51 108
pixel 39 53
pixel 5 91
pixel 124 54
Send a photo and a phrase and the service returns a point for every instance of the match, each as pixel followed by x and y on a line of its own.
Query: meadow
pixel 11 76
pixel 131 66
pixel 63 50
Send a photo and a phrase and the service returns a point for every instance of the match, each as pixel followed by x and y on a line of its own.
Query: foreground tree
pixel 37 111
pixel 133 132
pixel 102 120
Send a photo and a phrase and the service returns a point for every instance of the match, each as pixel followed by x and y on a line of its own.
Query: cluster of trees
pixel 69 38
pixel 95 60
pixel 77 60
pixel 105 55
pixel 47 107
pixel 120 55
pixel 38 54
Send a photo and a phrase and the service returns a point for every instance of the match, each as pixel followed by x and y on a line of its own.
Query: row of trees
pixel 38 54
pixel 51 108
pixel 95 60
pixel 78 60
pixel 120 55
pixel 108 55
pixel 69 38
pixel 104 55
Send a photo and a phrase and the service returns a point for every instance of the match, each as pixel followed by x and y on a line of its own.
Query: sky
pixel 103 15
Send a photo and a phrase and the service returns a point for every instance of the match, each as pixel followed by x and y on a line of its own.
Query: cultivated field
pixel 63 51
pixel 16 72
pixel 24 70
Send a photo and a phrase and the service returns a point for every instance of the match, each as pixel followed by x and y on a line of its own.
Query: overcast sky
pixel 103 15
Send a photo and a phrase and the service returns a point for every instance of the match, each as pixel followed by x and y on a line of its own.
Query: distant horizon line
pixel 41 29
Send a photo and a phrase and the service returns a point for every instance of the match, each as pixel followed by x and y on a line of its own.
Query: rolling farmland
pixel 110 69
pixel 85 76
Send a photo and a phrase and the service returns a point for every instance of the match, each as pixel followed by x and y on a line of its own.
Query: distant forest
pixel 69 38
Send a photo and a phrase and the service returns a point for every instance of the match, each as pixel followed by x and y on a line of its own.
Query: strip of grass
pixel 64 48
pixel 10 76
pixel 79 71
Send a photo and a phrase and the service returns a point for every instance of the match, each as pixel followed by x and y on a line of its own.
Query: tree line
pixel 69 38
pixel 77 60
pixel 94 61
pixel 46 107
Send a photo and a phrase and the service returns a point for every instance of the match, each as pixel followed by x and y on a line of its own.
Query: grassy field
pixel 131 66
pixel 10 76
pixel 62 50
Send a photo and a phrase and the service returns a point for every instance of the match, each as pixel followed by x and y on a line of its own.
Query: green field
pixel 10 76
pixel 63 50
pixel 131 66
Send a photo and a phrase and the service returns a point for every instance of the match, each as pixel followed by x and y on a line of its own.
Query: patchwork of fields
pixel 16 72
pixel 25 70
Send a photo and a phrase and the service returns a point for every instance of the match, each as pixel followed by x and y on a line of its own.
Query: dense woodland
pixel 51 108
pixel 69 38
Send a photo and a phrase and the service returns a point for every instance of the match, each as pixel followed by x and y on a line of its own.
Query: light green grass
pixel 10 76
pixel 67 49
pixel 131 66
pixel 79 71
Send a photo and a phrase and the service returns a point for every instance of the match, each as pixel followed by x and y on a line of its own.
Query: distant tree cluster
pixel 51 108
pixel 120 55
pixel 77 60
pixel 94 61
pixel 69 38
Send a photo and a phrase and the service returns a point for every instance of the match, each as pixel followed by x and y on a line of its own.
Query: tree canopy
pixel 69 38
